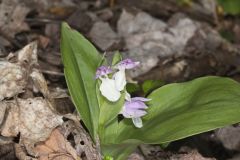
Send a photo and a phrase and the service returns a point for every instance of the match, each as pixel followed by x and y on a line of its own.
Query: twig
pixel 42 20
pixel 53 73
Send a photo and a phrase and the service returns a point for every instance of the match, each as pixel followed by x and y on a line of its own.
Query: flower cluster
pixel 111 89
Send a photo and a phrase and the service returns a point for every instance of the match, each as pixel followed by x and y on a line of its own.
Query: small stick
pixel 53 73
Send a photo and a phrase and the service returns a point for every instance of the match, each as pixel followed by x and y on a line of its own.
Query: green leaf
pixel 180 110
pixel 108 158
pixel 230 6
pixel 149 85
pixel 119 151
pixel 81 59
pixel 108 133
pixel 116 58
pixel 164 145
pixel 133 88
pixel 110 110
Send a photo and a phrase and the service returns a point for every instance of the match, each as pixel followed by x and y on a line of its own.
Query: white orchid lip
pixel 108 90
pixel 107 87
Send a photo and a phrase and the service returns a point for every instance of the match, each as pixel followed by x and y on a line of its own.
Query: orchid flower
pixel 134 108
pixel 107 86
pixel 120 77
pixel 111 88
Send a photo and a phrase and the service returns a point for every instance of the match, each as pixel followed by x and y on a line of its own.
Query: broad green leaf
pixel 110 110
pixel 108 133
pixel 81 59
pixel 230 6
pixel 116 58
pixel 119 151
pixel 164 145
pixel 180 110
pixel 149 85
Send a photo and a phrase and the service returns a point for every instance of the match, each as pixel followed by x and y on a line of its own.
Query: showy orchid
pixel 175 111
pixel 111 88
pixel 135 109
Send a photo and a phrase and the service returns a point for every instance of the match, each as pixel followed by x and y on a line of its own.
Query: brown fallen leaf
pixel 12 15
pixel 39 82
pixel 27 56
pixel 56 147
pixel 14 76
pixel 12 79
pixel 193 155
pixel 43 41
pixel 32 118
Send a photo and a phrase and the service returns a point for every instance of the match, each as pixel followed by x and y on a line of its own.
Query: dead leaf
pixel 194 155
pixel 28 55
pixel 21 153
pixel 43 41
pixel 12 15
pixel 40 82
pixel 103 35
pixel 148 38
pixel 32 118
pixel 229 137
pixel 83 143
pixel 14 76
pixel 56 147
pixel 7 151
pixel 61 8
pixel 61 11
pixel 12 79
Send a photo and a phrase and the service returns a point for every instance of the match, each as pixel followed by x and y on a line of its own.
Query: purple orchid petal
pixel 140 99
pixel 127 64
pixel 134 108
pixel 133 113
pixel 102 71
pixel 136 105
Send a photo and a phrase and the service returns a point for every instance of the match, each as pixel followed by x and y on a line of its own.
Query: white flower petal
pixel 120 79
pixel 137 122
pixel 127 96
pixel 109 90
